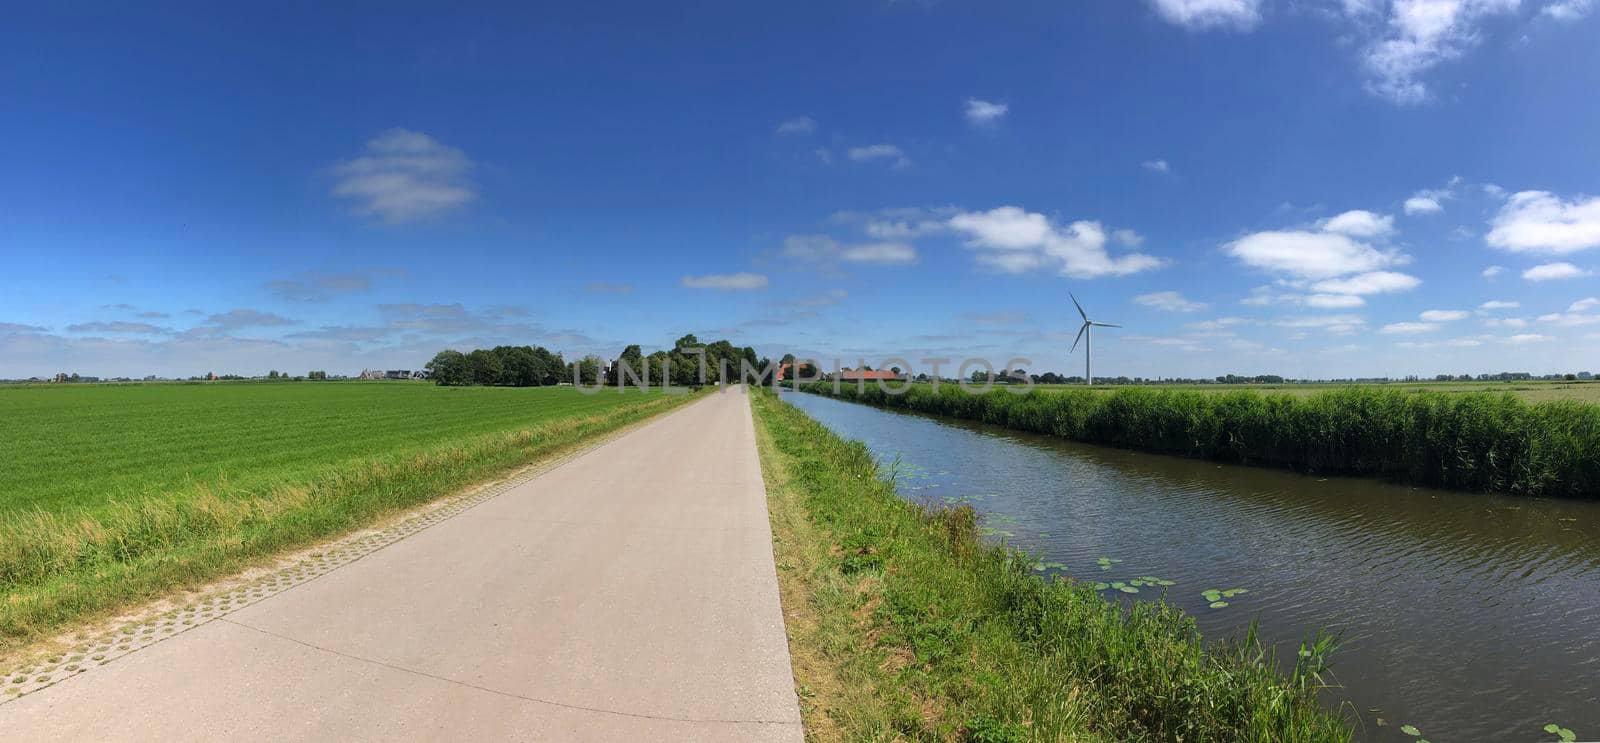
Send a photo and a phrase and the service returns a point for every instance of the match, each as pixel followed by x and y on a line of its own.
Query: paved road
pixel 628 594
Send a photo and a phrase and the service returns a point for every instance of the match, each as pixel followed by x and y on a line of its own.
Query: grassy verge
pixel 59 567
pixel 904 625
pixel 1477 442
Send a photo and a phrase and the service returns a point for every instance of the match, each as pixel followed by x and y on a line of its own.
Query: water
pixel 1472 617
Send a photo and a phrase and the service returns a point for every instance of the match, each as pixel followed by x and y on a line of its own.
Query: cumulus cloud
pixel 1553 271
pixel 1359 223
pixel 1523 339
pixel 1493 271
pixel 1333 324
pixel 1156 166
pixel 1444 315
pixel 405 176
pixel 1419 35
pixel 1584 305
pixel 1309 255
pixel 1374 282
pixel 1200 15
pixel 1568 11
pixel 876 152
pixel 797 125
pixel 1423 205
pixel 981 113
pixel 1499 304
pixel 726 282
pixel 1169 302
pixel 1407 328
pixel 1541 222
pixel 882 254
pixel 1333 301
pixel 1013 240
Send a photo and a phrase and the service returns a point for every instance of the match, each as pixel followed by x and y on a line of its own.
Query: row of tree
pixel 687 364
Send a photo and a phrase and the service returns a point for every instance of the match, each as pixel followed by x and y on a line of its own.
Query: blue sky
pixel 1314 189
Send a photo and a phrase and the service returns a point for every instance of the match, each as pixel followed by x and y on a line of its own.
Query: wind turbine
pixel 1083 335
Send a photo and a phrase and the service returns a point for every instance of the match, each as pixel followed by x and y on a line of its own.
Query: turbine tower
pixel 1083 335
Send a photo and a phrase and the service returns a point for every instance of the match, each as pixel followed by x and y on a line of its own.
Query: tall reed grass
pixel 1475 442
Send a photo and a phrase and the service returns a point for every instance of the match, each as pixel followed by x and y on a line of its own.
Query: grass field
pixel 1540 391
pixel 904 625
pixel 115 494
pixel 73 447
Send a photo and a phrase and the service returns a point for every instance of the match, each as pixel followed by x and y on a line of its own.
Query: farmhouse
pixel 869 375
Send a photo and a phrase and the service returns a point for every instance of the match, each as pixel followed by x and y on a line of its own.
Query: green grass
pixel 115 494
pixel 903 625
pixel 1476 442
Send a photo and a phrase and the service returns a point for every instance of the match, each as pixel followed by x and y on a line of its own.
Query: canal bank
pixel 903 623
pixel 1462 615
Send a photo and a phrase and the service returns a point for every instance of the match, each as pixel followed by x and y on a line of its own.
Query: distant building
pixel 370 374
pixel 869 375
pixel 397 374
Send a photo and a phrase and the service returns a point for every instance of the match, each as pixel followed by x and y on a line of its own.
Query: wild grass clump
pixel 63 564
pixel 940 637
pixel 1476 442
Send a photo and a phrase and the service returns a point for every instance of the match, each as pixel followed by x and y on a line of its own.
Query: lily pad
pixel 1212 594
pixel 1565 734
pixel 1230 593
pixel 1128 589
pixel 1101 586
pixel 1410 730
pixel 1219 604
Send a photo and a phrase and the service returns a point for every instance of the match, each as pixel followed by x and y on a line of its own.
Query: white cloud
pixel 797 125
pixel 1309 255
pixel 1526 338
pixel 884 254
pixel 1408 328
pixel 1419 35
pixel 1541 222
pixel 1169 302
pixel 1359 223
pixel 1197 15
pixel 1584 305
pixel 135 328
pixel 1128 237
pixel 1158 166
pixel 1444 315
pixel 1374 282
pixel 1499 304
pixel 1561 319
pixel 824 249
pixel 880 152
pixel 1333 301
pixel 1568 11
pixel 1423 205
pixel 243 318
pixel 980 113
pixel 726 282
pixel 1013 240
pixel 1505 322
pixel 1333 324
pixel 1551 271
pixel 1493 271
pixel 405 176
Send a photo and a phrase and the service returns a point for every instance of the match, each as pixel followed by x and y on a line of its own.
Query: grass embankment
pixel 119 494
pixel 904 625
pixel 1484 442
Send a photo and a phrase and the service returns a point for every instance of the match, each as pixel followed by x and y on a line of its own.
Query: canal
pixel 1470 617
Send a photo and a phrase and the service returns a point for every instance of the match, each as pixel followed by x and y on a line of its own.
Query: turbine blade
pixel 1081 331
pixel 1079 306
pixel 1105 325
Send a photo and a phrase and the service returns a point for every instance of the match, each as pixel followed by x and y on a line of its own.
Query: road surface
pixel 628 594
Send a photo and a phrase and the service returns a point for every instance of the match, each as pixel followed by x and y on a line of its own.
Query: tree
pixel 588 370
pixel 450 369
pixel 486 367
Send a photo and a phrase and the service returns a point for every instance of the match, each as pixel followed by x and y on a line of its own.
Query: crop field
pixel 111 494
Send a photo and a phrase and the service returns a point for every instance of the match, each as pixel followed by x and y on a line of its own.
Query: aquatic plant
pixel 1479 442
pixel 1564 734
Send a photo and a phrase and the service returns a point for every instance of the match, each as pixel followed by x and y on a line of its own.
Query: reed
pixel 1475 442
